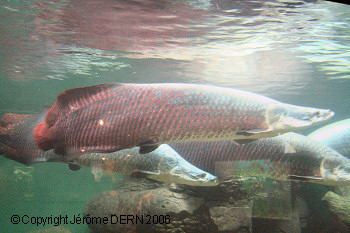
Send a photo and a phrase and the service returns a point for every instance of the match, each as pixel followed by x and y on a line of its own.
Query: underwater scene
pixel 174 116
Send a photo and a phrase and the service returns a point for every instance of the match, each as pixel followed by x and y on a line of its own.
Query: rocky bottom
pixel 233 206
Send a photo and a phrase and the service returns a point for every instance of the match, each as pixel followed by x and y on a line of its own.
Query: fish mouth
pixel 303 117
pixel 335 170
pixel 179 175
pixel 175 169
pixel 287 117
pixel 205 179
pixel 312 115
pixel 321 115
pixel 193 178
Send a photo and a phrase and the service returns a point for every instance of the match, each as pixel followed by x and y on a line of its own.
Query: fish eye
pixel 203 175
pixel 315 114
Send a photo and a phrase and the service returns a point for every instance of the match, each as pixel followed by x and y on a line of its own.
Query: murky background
pixel 293 51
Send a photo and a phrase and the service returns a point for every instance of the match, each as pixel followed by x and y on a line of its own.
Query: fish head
pixel 191 175
pixel 335 170
pixel 175 169
pixel 286 117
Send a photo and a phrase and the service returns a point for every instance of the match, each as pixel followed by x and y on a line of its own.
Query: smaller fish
pixel 290 156
pixel 163 164
pixel 336 136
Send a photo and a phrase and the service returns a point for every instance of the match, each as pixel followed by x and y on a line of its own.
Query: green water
pixel 293 51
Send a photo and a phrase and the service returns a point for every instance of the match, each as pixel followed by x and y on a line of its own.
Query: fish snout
pixel 335 170
pixel 321 115
pixel 312 115
pixel 287 117
pixel 194 177
pixel 207 179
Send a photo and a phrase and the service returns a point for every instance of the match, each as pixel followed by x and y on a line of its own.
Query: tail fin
pixel 4 135
pixel 12 118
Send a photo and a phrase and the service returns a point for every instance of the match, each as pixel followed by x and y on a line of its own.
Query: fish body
pixel 163 164
pixel 111 117
pixel 335 135
pixel 290 156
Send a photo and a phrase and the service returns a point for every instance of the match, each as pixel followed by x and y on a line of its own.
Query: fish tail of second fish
pixel 42 136
pixel 4 135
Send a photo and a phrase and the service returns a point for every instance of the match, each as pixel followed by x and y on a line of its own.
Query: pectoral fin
pixel 253 131
pixel 244 141
pixel 97 171
pixel 289 149
pixel 144 149
pixel 74 166
pixel 312 179
pixel 249 133
pixel 143 174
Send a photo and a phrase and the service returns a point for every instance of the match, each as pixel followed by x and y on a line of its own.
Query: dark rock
pixel 227 207
pixel 230 217
pixel 160 209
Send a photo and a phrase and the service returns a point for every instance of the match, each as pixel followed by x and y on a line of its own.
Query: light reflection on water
pixel 72 37
pixel 270 47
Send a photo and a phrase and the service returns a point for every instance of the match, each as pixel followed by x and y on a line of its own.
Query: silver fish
pixel 163 164
pixel 290 156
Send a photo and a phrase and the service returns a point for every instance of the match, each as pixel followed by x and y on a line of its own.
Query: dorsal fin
pixel 75 98
pixel 12 118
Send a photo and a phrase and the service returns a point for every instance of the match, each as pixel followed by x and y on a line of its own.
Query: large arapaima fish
pixel 163 164
pixel 111 117
pixel 290 156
